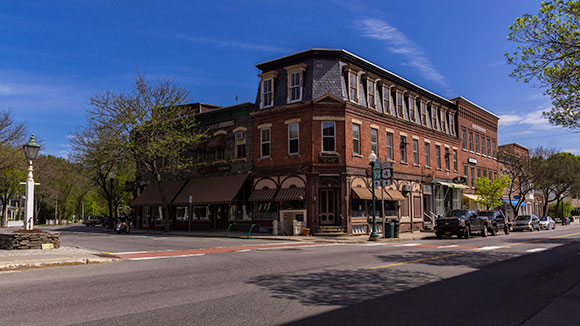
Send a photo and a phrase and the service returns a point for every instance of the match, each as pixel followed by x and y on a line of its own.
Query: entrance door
pixel 328 209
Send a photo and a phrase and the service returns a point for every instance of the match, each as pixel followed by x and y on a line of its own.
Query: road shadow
pixel 340 287
pixel 503 293
pixel 471 258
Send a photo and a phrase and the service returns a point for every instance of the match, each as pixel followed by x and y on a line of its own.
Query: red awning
pixel 211 190
pixel 151 197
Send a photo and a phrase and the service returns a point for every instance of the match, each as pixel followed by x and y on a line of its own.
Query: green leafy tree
pixel 491 191
pixel 559 211
pixel 10 178
pixel 152 126
pixel 548 53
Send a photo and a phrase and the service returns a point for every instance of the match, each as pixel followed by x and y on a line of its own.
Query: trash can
pixel 396 227
pixel 390 230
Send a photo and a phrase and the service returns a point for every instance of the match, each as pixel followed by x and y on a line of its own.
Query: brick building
pixel 219 183
pixel 319 113
pixel 477 129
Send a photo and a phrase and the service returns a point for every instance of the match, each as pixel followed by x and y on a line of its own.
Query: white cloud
pixel 399 43
pixel 233 44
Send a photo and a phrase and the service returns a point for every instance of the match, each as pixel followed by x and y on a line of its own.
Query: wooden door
pixel 328 207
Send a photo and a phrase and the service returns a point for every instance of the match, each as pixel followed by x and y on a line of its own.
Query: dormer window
pixel 267 89
pixel 434 117
pixel 443 122
pixel 399 104
pixel 386 99
pixel 412 112
pixel 451 124
pixel 371 93
pixel 424 113
pixel 295 82
pixel 353 86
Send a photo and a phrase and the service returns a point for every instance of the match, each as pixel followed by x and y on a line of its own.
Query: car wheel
pixel 438 235
pixel 484 232
pixel 493 230
pixel 467 233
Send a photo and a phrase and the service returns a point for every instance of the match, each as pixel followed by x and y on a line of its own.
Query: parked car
pixel 497 221
pixel 92 220
pixel 461 222
pixel 547 223
pixel 526 222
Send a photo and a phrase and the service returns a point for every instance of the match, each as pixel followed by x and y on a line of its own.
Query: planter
pixel 306 231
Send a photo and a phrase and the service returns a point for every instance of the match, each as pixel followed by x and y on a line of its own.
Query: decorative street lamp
pixel 374 235
pixel 31 151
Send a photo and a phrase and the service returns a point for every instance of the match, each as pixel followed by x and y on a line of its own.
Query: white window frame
pixel 399 104
pixel 264 93
pixel 376 145
pixel 390 152
pixel 297 138
pixel 452 123
pixel 297 69
pixel 423 105
pixel 351 74
pixel 387 99
pixel 323 136
pixel 262 142
pixel 415 151
pixel 443 121
pixel 455 167
pixel 434 122
pixel 412 109
pixel 356 149
pixel 371 83
pixel 427 154
pixel 477 149
pixel 267 76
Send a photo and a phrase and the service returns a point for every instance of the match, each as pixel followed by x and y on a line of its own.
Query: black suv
pixel 461 222
pixel 497 221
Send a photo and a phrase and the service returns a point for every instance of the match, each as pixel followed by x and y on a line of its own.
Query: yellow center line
pixel 462 253
pixel 417 260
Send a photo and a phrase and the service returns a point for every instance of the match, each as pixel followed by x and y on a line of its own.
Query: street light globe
pixel 372 157
pixel 31 149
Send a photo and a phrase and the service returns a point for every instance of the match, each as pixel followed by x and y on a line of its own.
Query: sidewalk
pixel 36 258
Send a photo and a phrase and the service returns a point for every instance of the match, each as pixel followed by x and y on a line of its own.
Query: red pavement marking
pixel 438 246
pixel 172 253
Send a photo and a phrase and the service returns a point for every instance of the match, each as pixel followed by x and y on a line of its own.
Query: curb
pixel 55 263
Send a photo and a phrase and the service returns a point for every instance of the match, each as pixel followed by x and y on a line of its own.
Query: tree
pixel 10 179
pixel 543 174
pixel 563 210
pixel 549 53
pixel 490 191
pixel 93 149
pixel 517 168
pixel 151 125
pixel 566 175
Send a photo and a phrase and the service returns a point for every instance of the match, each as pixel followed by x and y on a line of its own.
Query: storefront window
pixel 181 213
pixel 357 208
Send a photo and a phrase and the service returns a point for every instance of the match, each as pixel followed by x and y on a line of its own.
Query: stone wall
pixel 29 240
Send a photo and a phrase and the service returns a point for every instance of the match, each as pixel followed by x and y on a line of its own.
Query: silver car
pixel 526 222
pixel 547 223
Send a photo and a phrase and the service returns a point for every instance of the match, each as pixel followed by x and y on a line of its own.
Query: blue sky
pixel 54 55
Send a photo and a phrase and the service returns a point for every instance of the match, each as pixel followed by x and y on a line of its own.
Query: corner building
pixel 319 114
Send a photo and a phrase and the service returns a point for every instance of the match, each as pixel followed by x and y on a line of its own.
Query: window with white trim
pixel 267 92
pixel 400 105
pixel 295 86
pixel 483 152
pixel 488 147
pixel 265 142
pixel 452 123
pixel 356 138
pixel 446 158
pixel 477 143
pixel 427 154
pixel 386 100
pixel 423 113
pixel 371 93
pixel 464 137
pixel 471 141
pixel 412 109
pixel 353 86
pixel 390 154
pixel 454 160
pixel 434 117
pixel 443 122
pixel 293 139
pixel 328 136
pixel 438 156
pixel 403 146
pixel 494 148
pixel 375 141
pixel 415 151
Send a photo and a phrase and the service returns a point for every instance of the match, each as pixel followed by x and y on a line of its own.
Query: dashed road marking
pixel 449 246
pixel 536 249
pixel 407 245
pixel 245 250
pixel 489 248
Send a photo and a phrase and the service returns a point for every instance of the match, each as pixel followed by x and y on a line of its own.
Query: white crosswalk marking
pixel 449 246
pixel 408 245
pixel 163 257
pixel 489 248
pixel 536 249
pixel 245 250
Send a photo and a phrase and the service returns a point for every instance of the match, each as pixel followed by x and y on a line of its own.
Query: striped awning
pixel 472 197
pixel 452 185
pixel 211 190
pixel 293 193
pixel 151 197
pixel 262 195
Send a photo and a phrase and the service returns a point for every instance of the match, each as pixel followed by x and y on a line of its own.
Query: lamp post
pixel 374 235
pixel 111 177
pixel 31 151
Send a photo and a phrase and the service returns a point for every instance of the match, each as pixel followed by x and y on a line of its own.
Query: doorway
pixel 328 207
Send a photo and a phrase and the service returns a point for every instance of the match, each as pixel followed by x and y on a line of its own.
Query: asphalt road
pixel 502 280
